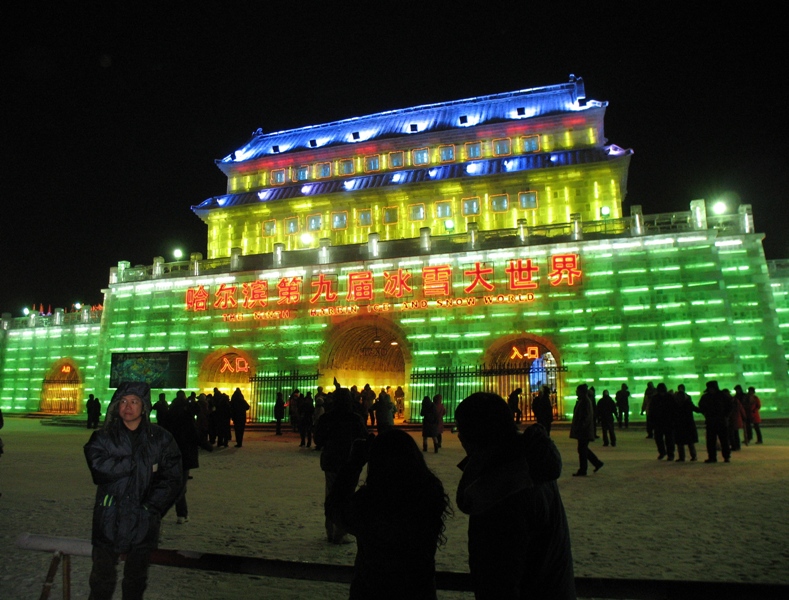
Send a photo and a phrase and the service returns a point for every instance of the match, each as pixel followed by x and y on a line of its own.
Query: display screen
pixel 158 369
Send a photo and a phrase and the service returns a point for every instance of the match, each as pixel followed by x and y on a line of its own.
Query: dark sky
pixel 115 111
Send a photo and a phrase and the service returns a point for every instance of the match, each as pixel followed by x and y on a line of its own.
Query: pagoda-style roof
pixel 508 106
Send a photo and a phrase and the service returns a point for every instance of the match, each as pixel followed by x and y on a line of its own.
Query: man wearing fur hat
pixel 137 468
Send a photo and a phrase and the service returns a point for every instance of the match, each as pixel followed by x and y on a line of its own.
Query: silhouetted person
pixel 543 408
pixel 623 407
pixel 716 407
pixel 93 408
pixel 518 537
pixel 238 412
pixel 514 401
pixel 582 430
pixel 662 409
pixel 399 511
pixel 685 433
pixel 279 412
pixel 606 413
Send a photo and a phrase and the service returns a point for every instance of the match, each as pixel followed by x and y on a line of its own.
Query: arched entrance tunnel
pixel 366 350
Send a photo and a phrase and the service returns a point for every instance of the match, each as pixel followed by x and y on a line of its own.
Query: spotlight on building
pixel 26 311
pixel 178 254
pixel 449 225
pixel 307 239
pixel 605 212
pixel 719 207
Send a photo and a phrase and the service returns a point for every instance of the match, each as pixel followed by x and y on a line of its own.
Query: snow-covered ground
pixel 636 518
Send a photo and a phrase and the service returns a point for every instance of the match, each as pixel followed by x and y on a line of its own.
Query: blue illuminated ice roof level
pixel 521 104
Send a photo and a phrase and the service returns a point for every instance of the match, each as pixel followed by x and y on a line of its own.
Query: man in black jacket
pixel 518 537
pixel 137 468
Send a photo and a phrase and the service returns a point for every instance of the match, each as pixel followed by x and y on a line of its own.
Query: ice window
pixel 527 200
pixel 396 160
pixel 531 143
pixel 443 209
pixel 292 225
pixel 302 173
pixel 339 220
pixel 473 150
pixel 416 212
pixel 323 170
pixel 314 223
pixel 499 202
pixel 390 215
pixel 471 206
pixel 421 156
pixel 269 228
pixel 447 153
pixel 346 166
pixel 372 163
pixel 278 176
pixel 502 147
pixel 365 217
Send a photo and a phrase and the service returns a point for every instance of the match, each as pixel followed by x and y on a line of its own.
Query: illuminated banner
pixel 328 294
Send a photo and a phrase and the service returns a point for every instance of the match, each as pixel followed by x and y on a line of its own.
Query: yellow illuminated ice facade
pixel 538 261
pixel 533 158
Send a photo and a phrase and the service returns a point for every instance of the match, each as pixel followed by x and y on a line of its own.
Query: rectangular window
pixel 473 150
pixel 314 222
pixel 278 177
pixel 269 228
pixel 396 160
pixel 365 217
pixel 339 220
pixel 446 153
pixel 302 173
pixel 346 166
pixel 390 215
pixel 372 163
pixel 530 143
pixel 416 212
pixel 471 206
pixel 291 225
pixel 443 209
pixel 499 203
pixel 502 147
pixel 323 170
pixel 527 200
pixel 421 156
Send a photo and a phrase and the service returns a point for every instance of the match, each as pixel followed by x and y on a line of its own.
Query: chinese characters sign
pixel 441 285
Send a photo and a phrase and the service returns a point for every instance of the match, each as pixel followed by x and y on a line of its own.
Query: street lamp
pixel 178 254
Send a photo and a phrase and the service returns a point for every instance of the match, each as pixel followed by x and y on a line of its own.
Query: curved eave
pixel 521 104
pixel 511 164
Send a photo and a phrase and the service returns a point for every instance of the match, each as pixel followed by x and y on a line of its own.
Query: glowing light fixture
pixel 719 207
pixel 306 238
pixel 178 254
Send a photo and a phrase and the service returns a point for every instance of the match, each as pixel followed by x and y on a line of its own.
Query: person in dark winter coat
pixel 662 410
pixel 223 413
pixel 685 433
pixel 238 412
pixel 606 413
pixel 514 402
pixel 623 406
pixel 306 411
pixel 429 423
pixel 182 425
pixel 518 536
pixel 582 429
pixel 543 409
pixel 399 511
pixel 337 430
pixel 161 408
pixel 716 408
pixel 93 409
pixel 137 468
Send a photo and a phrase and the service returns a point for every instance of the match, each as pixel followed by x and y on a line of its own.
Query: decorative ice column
pixel 698 212
pixel 636 220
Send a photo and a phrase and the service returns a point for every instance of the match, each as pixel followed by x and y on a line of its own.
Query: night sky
pixel 114 114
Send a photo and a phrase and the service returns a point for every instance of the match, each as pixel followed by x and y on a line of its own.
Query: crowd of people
pixel 519 543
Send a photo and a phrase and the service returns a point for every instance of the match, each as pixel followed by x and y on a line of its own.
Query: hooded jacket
pixel 138 475
pixel 518 537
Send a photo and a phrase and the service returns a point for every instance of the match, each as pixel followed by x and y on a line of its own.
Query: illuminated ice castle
pixel 453 246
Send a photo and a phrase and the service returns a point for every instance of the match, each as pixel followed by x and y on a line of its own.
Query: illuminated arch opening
pixel 61 391
pixel 226 369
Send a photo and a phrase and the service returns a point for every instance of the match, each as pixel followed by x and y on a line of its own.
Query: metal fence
pixel 60 396
pixel 456 383
pixel 265 388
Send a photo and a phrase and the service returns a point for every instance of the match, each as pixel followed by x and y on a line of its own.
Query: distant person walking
pixel 582 430
pixel 755 406
pixel 716 408
pixel 685 433
pixel 542 407
pixel 606 413
pixel 429 424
